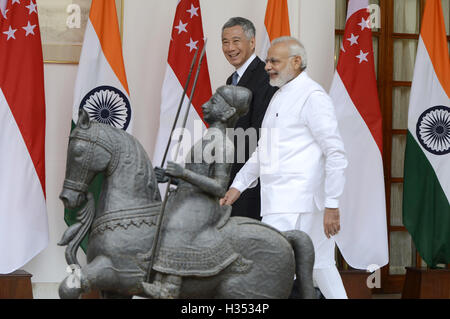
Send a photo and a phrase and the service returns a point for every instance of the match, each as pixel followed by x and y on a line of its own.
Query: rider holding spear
pixel 190 243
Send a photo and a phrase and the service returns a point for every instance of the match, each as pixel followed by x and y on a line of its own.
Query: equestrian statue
pixel 187 245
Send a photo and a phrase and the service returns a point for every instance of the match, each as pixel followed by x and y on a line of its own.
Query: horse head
pixel 89 153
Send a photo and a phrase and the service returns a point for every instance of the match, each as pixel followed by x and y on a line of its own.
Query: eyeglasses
pixel 277 61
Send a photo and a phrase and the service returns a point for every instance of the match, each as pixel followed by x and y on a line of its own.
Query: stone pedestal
pixel 16 285
pixel 423 283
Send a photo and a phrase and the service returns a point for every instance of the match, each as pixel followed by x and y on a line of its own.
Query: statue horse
pixel 123 226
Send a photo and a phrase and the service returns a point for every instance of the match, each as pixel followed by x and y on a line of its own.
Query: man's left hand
pixel 175 170
pixel 331 222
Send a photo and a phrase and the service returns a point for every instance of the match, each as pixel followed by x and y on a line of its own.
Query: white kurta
pixel 300 158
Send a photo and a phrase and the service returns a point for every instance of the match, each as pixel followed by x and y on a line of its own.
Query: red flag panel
pixel 22 76
pixel 356 68
pixel 187 36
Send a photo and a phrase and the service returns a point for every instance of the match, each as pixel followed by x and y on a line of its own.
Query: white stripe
pixel 363 236
pixel 355 6
pixel 94 70
pixel 265 44
pixel 170 98
pixel 2 7
pixel 426 92
pixel 23 216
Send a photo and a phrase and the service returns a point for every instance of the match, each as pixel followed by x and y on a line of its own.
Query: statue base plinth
pixel 355 284
pixel 423 283
pixel 94 294
pixel 16 285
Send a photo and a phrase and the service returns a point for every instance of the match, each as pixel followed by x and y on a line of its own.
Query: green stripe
pixel 426 209
pixel 70 215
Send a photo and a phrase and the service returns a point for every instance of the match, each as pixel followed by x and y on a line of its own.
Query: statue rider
pixel 191 243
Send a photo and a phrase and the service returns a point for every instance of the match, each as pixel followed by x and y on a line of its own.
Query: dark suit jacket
pixel 256 79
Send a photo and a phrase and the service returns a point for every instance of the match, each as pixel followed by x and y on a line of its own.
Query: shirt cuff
pixel 331 203
pixel 239 186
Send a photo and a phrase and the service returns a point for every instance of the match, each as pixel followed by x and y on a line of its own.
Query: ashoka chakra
pixel 433 130
pixel 108 105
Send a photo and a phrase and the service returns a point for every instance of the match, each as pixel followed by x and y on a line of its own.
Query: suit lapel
pixel 246 77
pixel 229 80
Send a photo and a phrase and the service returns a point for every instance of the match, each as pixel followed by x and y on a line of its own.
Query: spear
pixel 155 246
pixel 179 107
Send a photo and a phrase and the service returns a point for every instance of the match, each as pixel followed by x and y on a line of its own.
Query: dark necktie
pixel 234 79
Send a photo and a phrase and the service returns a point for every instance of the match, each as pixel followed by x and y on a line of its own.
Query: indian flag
pixel 276 24
pixel 426 209
pixel 101 86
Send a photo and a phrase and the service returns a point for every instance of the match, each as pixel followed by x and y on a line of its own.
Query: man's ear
pixel 297 62
pixel 228 114
pixel 253 43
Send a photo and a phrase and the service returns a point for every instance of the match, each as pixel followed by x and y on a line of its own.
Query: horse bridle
pixel 92 136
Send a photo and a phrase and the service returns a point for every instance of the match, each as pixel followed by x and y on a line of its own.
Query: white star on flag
pixel 364 24
pixel 10 33
pixel 181 27
pixel 362 56
pixel 353 39
pixel 32 7
pixel 29 29
pixel 15 1
pixel 192 45
pixel 355 97
pixel 193 11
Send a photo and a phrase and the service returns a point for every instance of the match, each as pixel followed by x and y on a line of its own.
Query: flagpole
pixel 179 108
pixel 155 246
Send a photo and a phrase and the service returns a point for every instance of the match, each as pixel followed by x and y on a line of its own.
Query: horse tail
pixel 304 263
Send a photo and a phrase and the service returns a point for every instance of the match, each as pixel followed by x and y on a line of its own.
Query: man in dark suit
pixel 238 46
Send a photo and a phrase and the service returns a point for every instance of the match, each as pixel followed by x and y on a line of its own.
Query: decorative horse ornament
pixel 122 229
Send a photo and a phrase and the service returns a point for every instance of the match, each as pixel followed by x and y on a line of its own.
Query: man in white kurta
pixel 300 160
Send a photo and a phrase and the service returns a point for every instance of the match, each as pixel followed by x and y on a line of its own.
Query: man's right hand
pixel 160 174
pixel 230 197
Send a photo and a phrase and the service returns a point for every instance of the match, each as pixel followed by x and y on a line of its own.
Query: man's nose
pixel 230 47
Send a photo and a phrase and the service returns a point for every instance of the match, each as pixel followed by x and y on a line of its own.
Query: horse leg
pixel 163 287
pixel 70 287
pixel 100 274
pixel 82 280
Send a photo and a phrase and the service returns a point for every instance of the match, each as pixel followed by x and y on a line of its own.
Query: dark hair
pixel 247 26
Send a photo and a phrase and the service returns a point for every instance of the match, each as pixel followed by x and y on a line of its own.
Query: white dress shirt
pixel 300 158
